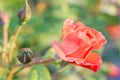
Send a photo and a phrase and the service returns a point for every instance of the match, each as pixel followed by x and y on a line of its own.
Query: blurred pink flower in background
pixel 4 18
pixel 113 31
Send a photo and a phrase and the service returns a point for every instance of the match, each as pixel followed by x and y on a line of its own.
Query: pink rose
pixel 77 43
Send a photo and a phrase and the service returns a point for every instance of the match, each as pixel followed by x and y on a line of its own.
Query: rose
pixel 77 44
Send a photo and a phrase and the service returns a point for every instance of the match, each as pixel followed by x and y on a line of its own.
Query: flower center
pixel 89 36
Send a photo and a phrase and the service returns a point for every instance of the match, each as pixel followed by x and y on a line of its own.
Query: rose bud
pixel 3 18
pixel 24 14
pixel 25 55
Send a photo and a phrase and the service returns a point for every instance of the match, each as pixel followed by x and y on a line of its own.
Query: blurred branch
pixel 5 37
pixel 5 42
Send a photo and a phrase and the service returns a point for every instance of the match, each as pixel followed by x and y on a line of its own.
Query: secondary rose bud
pixel 24 14
pixel 3 18
pixel 25 55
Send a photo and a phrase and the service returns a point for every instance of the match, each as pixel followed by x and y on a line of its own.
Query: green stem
pixel 12 44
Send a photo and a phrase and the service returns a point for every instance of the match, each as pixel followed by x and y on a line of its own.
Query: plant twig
pixel 16 69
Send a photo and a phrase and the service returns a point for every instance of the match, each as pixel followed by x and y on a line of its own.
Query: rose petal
pixel 59 51
pixel 70 43
pixel 78 26
pixel 99 41
pixel 94 37
pixel 68 21
pixel 82 52
pixel 92 62
pixel 68 25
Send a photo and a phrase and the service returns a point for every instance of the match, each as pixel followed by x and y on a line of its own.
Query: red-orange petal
pixel 92 62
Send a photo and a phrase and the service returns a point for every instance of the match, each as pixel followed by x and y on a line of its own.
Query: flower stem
pixel 5 42
pixel 12 44
pixel 18 68
pixel 36 63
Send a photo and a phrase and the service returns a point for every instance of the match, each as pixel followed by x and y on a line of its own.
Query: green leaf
pixel 39 72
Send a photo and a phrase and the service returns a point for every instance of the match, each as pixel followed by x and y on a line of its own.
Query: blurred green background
pixel 45 26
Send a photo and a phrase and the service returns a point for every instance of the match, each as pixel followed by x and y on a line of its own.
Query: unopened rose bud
pixel 25 55
pixel 3 18
pixel 24 14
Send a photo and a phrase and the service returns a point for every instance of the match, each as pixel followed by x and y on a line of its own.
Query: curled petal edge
pixel 92 62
